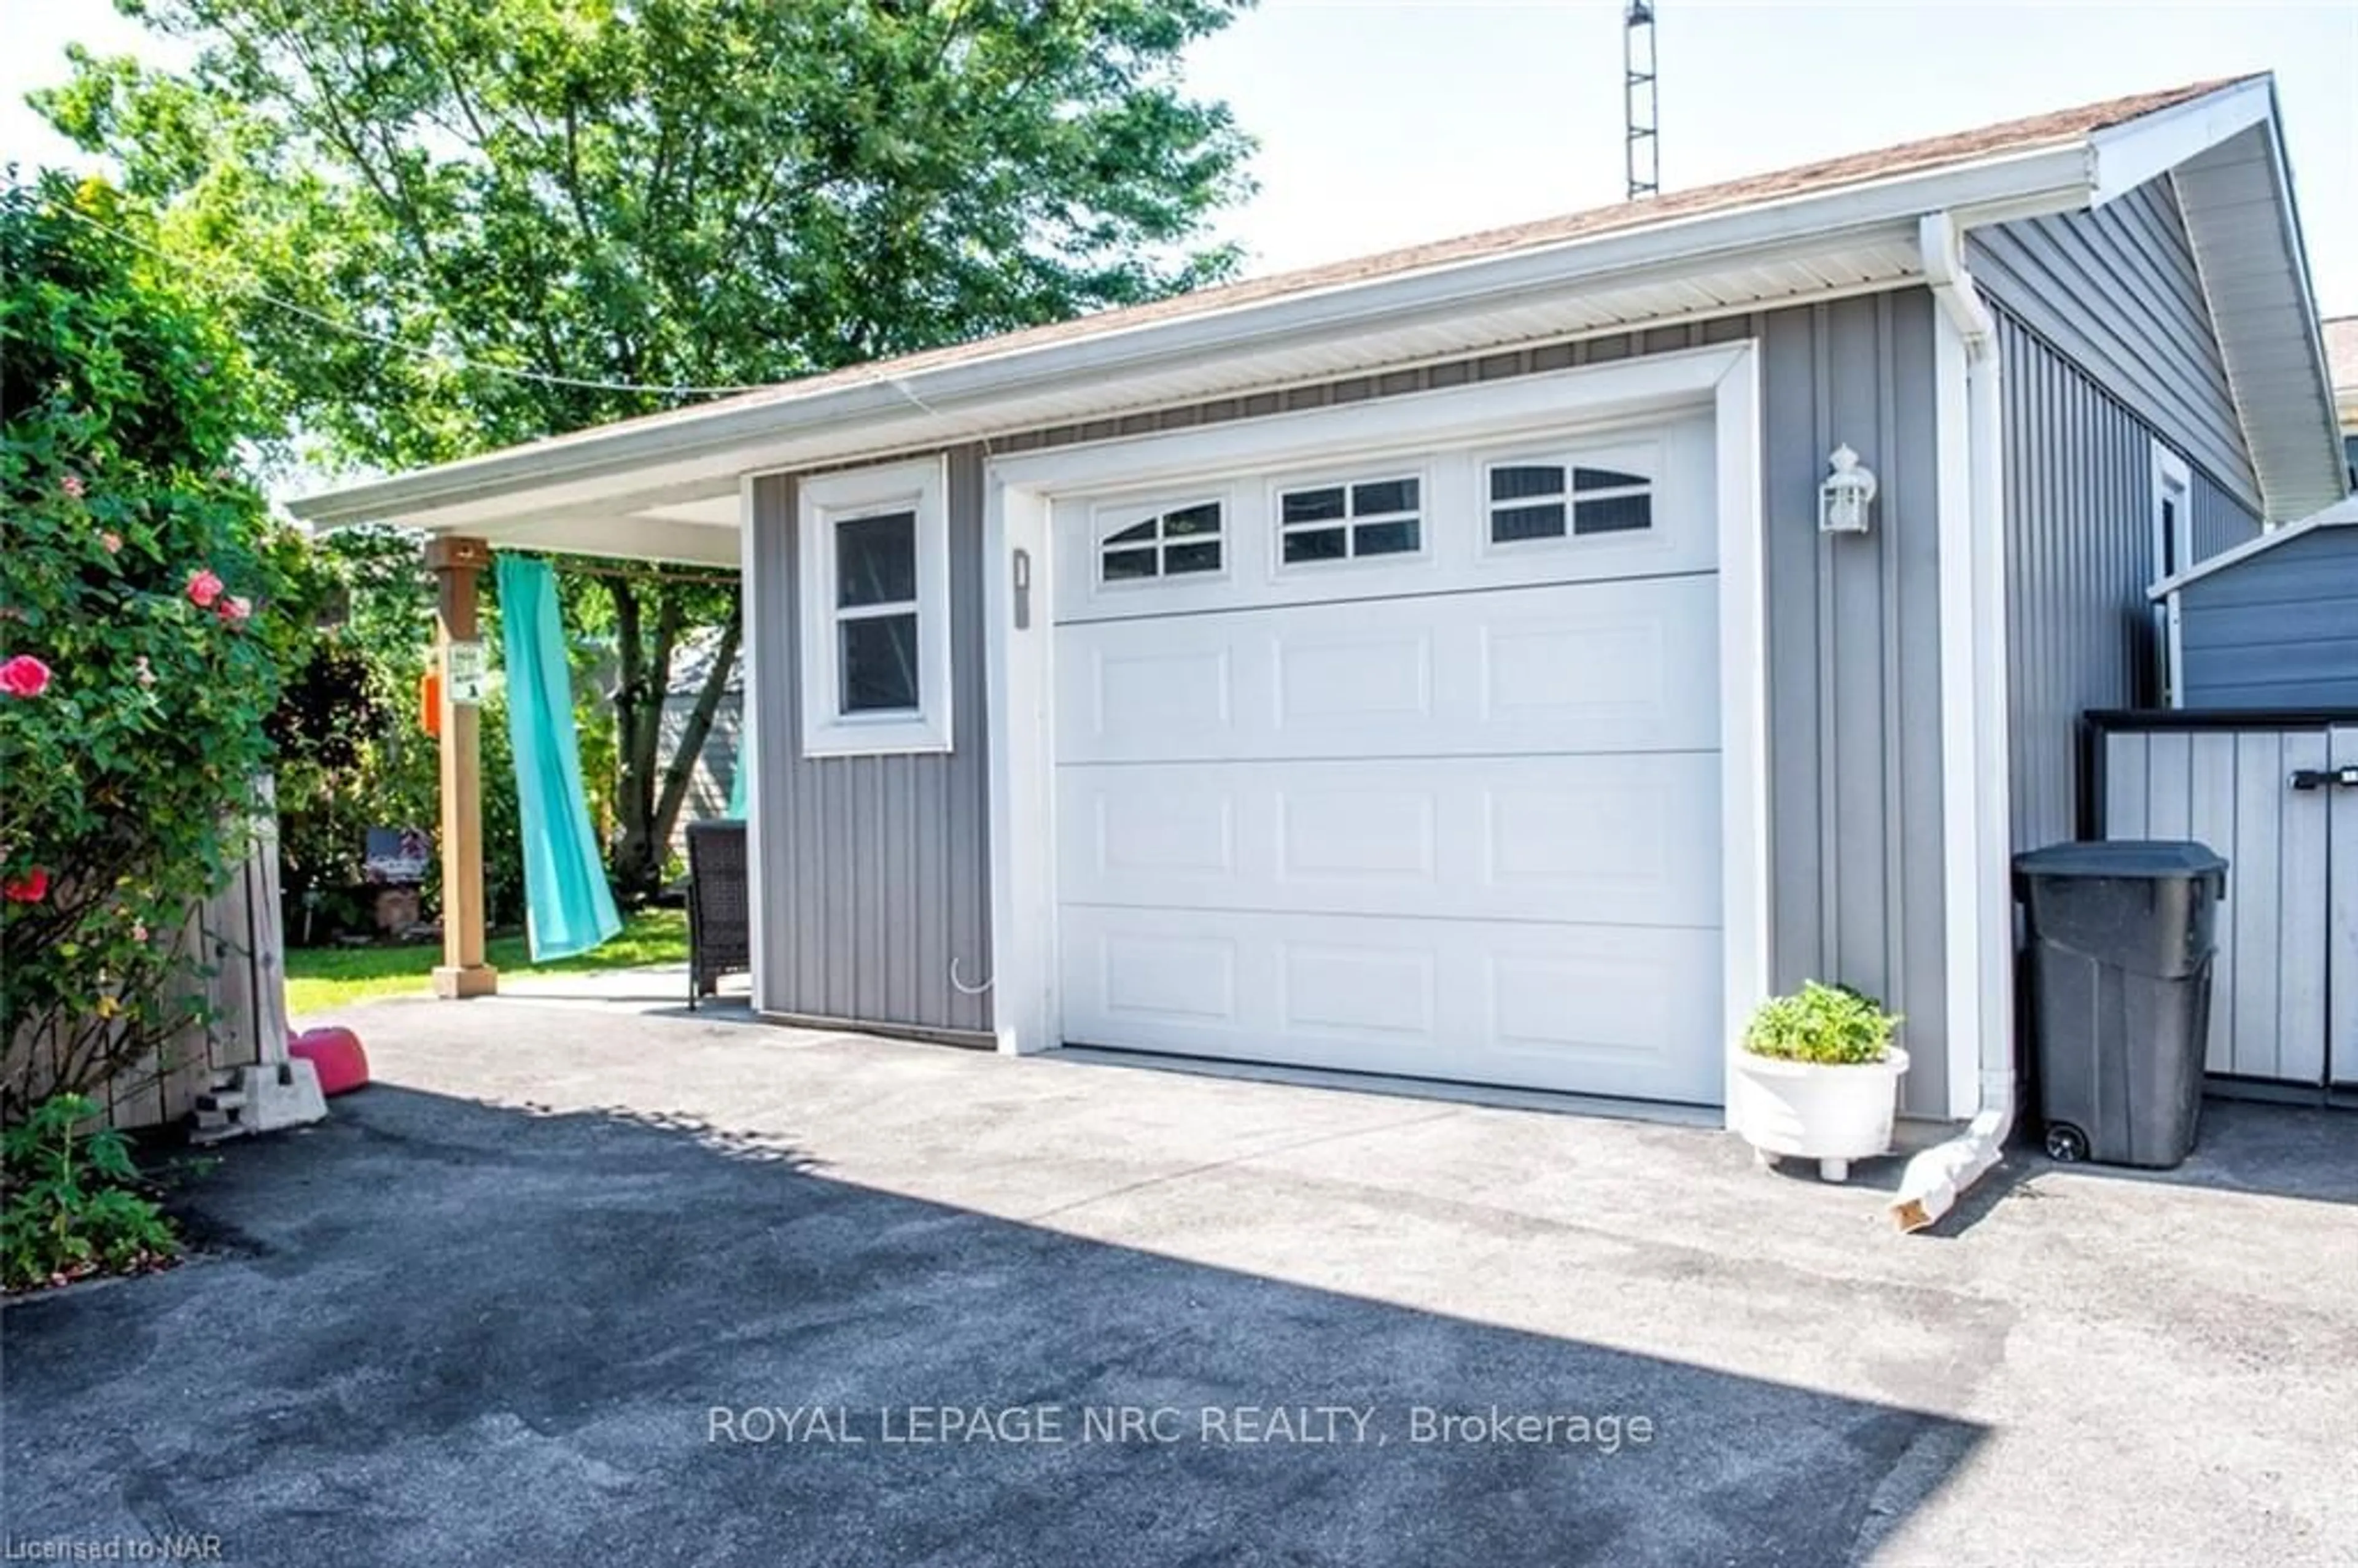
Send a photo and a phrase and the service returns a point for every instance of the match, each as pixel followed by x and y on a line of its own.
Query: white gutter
pixel 1974 804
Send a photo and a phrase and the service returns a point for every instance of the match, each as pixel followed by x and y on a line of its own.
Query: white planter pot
pixel 1832 1115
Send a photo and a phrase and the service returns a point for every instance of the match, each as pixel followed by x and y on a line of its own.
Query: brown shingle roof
pixel 2057 128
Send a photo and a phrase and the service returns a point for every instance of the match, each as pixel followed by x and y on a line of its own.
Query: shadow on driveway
pixel 448 1332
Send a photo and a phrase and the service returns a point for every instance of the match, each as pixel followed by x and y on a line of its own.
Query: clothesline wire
pixel 450 362
pixel 580 566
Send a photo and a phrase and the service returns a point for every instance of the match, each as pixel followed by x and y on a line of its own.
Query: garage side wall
pixel 875 871
pixel 2117 292
pixel 1853 669
pixel 878 870
pixel 2079 556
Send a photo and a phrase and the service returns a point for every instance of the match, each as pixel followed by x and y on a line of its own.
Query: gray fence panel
pixel 2230 789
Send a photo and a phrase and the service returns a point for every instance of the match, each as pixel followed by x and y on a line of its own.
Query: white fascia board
pixel 2140 150
pixel 942 403
pixel 2289 221
pixel 618 538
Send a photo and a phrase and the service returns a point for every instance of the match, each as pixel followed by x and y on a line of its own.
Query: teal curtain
pixel 745 776
pixel 569 908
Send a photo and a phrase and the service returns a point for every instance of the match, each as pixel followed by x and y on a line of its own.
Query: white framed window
pixel 1531 499
pixel 2173 552
pixel 2173 513
pixel 875 611
pixel 1163 540
pixel 1348 520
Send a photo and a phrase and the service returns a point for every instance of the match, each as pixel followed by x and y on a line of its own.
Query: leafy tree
pixel 148 604
pixel 609 199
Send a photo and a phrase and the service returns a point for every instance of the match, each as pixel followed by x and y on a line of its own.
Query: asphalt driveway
pixel 578 1284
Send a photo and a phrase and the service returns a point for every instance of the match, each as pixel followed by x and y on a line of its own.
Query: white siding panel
pixel 2229 789
pixel 1569 669
pixel 1630 840
pixel 2342 920
pixel 1588 1009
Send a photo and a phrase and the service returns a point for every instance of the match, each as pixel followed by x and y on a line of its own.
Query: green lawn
pixel 319 979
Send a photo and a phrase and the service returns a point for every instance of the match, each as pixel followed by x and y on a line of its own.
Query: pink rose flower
pixel 31 888
pixel 23 675
pixel 203 588
pixel 71 484
pixel 113 541
pixel 236 610
pixel 147 675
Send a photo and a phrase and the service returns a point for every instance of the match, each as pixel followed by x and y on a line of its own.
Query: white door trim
pixel 1020 625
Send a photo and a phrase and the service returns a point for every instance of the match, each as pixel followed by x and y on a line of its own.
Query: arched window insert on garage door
pixel 1546 501
pixel 1346 522
pixel 1171 542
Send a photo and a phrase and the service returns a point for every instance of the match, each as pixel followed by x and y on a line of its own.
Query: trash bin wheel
pixel 2066 1143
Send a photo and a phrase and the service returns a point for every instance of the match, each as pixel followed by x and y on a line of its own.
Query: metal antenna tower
pixel 1642 159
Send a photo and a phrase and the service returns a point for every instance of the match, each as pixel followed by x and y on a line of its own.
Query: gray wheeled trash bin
pixel 2121 936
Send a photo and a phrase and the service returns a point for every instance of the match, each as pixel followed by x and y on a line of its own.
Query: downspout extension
pixel 1935 1179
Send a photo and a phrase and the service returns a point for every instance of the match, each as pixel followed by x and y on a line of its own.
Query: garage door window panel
pixel 1178 541
pixel 1531 500
pixel 1320 523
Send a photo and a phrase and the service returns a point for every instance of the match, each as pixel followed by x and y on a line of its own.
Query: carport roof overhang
pixel 667 486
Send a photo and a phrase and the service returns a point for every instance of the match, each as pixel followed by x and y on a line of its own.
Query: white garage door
pixel 1407 765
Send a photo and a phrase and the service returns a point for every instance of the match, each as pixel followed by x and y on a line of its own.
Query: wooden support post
pixel 456 563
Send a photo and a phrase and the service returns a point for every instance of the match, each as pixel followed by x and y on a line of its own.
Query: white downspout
pixel 1976 825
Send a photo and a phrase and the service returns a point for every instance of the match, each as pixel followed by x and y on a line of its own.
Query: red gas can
pixel 336 1054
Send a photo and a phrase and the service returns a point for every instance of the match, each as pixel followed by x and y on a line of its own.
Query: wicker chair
pixel 719 932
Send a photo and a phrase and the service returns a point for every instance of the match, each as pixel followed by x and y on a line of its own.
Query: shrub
pixel 1830 1025
pixel 73 1208
pixel 148 604
pixel 352 754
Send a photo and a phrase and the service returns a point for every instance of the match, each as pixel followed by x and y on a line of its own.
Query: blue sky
pixel 1384 123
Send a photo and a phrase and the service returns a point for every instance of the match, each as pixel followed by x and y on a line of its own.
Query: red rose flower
pixel 23 675
pixel 31 888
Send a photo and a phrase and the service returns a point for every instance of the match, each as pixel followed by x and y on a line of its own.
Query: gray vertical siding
pixel 2276 630
pixel 2118 292
pixel 2079 630
pixel 1855 768
pixel 1854 668
pixel 875 871
pixel 2079 556
pixel 2220 522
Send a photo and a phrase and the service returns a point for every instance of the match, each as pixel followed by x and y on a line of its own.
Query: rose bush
pixel 147 606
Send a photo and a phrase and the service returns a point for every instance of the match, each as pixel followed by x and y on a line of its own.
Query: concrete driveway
pixel 580 1284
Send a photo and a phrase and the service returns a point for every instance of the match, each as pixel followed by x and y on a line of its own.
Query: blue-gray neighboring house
pixel 1487 661
pixel 2272 623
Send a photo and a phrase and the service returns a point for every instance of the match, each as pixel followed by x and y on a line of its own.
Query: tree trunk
pixel 646 804
pixel 626 864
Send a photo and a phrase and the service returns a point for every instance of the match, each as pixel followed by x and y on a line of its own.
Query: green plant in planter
pixel 1832 1026
pixel 73 1208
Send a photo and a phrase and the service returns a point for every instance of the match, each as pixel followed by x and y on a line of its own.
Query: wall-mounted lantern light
pixel 1846 494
